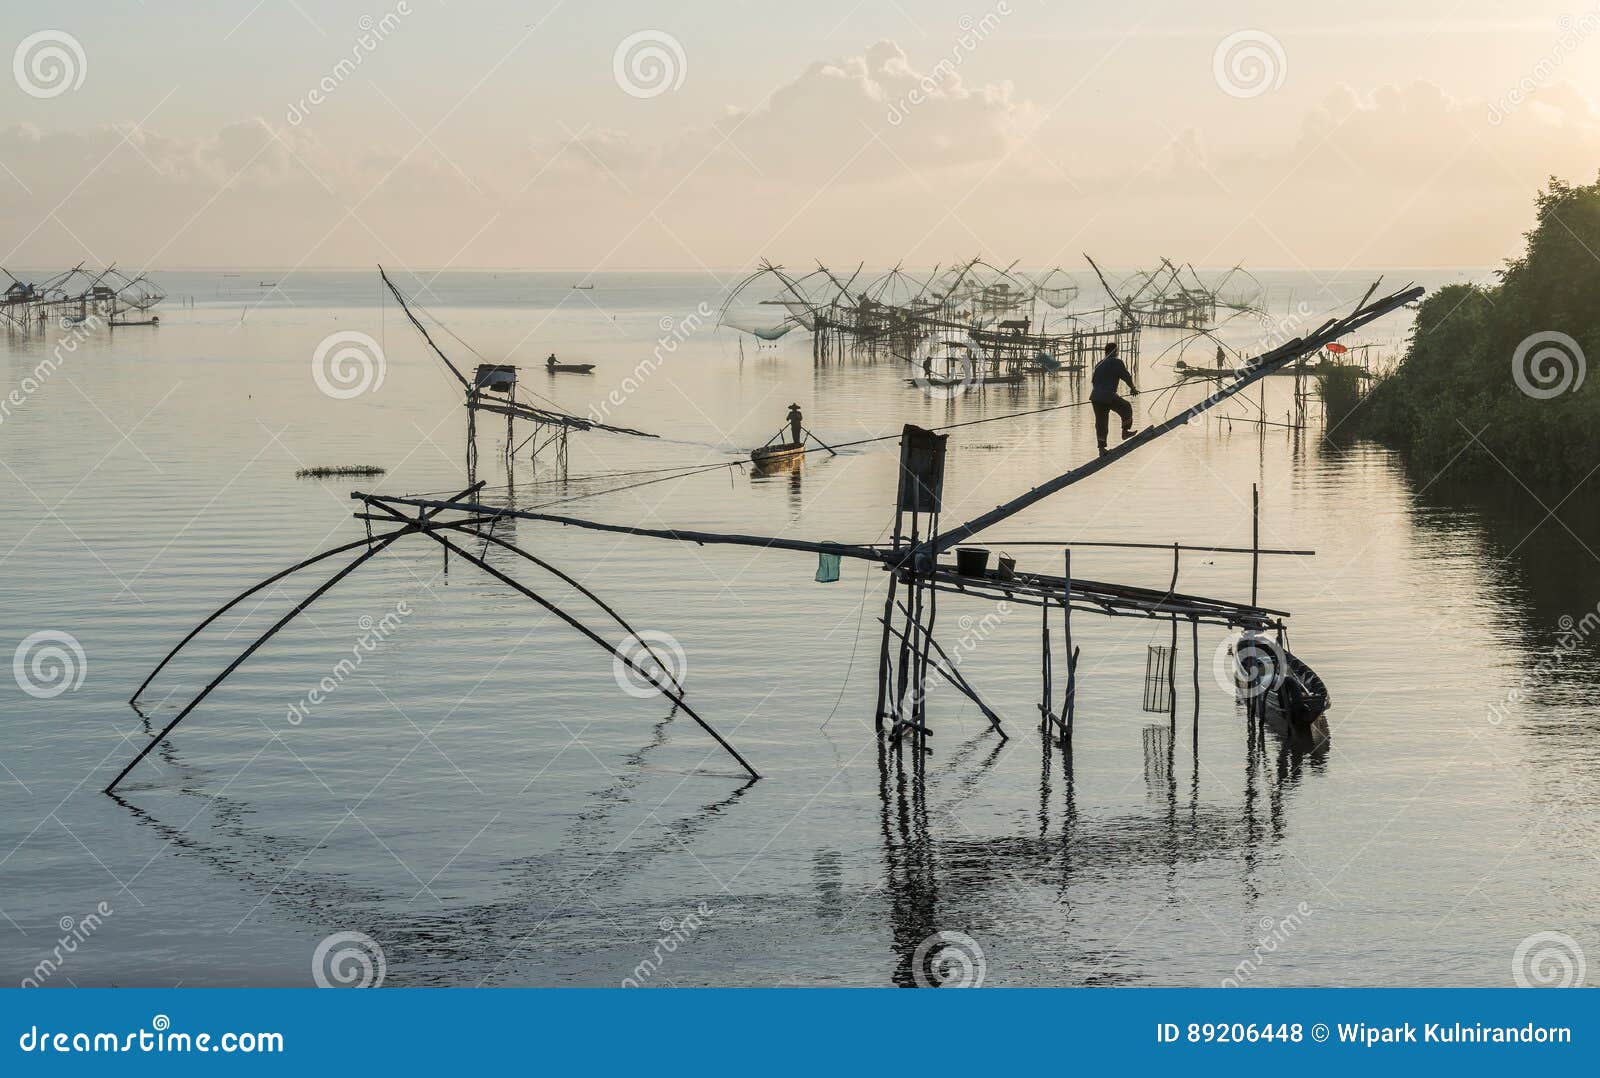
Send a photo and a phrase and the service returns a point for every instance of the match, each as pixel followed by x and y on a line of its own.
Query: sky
pixel 686 134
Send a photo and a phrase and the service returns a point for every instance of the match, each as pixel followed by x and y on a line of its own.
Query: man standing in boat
pixel 1103 395
pixel 795 429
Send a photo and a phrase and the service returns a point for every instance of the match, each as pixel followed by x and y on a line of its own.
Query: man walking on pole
pixel 1103 395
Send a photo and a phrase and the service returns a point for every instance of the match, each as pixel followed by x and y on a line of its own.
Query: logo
pixel 49 663
pixel 1249 63
pixel 1548 364
pixel 347 364
pixel 649 63
pixel 348 960
pixel 49 64
pixel 656 653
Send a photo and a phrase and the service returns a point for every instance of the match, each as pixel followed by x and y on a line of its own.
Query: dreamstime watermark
pixel 373 634
pixel 1250 664
pixel 74 932
pixel 349 960
pixel 674 332
pixel 48 663
pixel 1249 63
pixel 347 364
pixel 1278 329
pixel 654 652
pixel 649 63
pixel 1548 364
pixel 156 1039
pixel 949 960
pixel 35 379
pixel 1571 632
pixel 975 631
pixel 973 32
pixel 1274 934
pixel 1570 33
pixel 49 64
pixel 1549 960
pixel 373 33
pixel 674 935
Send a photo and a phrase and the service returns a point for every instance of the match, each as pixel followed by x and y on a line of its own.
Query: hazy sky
pixel 490 133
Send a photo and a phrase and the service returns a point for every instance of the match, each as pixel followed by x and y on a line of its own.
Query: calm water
pixel 483 800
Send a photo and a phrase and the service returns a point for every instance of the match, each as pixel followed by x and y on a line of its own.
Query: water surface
pixel 482 799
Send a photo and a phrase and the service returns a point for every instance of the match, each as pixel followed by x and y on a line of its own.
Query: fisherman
pixel 1222 360
pixel 551 362
pixel 794 424
pixel 1103 395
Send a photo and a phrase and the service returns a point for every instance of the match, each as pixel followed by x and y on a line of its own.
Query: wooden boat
pixel 781 454
pixel 1299 694
pixel 1186 371
pixel 584 287
pixel 948 380
pixel 569 368
pixel 153 320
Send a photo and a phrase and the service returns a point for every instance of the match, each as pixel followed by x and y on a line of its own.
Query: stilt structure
pixel 493 389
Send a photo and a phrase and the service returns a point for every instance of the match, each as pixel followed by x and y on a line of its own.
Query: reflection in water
pixel 942 878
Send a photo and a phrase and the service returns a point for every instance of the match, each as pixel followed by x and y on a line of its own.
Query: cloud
pixel 857 120
pixel 871 155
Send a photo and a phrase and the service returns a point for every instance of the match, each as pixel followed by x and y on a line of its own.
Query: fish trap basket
pixel 1158 678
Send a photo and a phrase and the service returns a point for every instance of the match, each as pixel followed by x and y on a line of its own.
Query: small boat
pixel 779 455
pixel 268 284
pixel 1299 694
pixel 584 287
pixel 1186 371
pixel 568 368
pixel 1286 687
pixel 950 380
pixel 153 320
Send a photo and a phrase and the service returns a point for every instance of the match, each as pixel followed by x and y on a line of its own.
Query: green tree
pixel 1460 398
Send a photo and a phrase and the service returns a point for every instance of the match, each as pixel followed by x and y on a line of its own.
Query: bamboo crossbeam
pixel 1111 610
pixel 844 550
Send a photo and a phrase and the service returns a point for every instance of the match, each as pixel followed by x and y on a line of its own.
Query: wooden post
pixel 1194 645
pixel 1172 657
pixel 1255 541
pixel 1072 653
pixel 1044 651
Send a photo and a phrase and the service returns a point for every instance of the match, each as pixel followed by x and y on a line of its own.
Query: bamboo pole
pixel 1194 646
pixel 962 686
pixel 1255 540
pixel 1256 369
pixel 273 579
pixel 251 650
pixel 1072 652
pixel 1172 657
